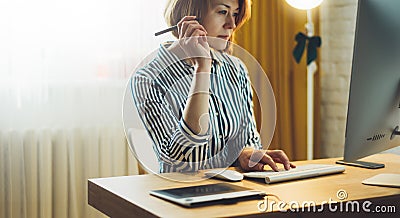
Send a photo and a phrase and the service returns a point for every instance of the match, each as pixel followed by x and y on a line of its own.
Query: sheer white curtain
pixel 49 48
pixel 64 65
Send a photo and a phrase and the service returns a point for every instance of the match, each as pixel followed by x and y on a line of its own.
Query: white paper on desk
pixel 384 179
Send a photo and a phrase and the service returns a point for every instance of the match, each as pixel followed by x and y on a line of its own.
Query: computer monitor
pixel 373 116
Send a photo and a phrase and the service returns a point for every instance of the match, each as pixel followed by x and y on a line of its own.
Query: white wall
pixel 337 31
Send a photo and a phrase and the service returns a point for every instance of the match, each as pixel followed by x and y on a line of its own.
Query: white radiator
pixel 43 173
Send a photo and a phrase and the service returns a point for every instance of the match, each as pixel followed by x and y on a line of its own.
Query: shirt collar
pixel 218 57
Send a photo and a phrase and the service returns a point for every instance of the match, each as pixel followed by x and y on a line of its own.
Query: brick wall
pixel 337 20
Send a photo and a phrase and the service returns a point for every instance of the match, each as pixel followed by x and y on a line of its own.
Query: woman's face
pixel 220 22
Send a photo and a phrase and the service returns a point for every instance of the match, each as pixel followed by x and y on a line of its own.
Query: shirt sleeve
pixel 174 142
pixel 253 136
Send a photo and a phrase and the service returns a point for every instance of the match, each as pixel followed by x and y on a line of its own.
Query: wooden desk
pixel 129 196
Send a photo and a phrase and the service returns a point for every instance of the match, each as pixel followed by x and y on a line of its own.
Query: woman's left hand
pixel 251 159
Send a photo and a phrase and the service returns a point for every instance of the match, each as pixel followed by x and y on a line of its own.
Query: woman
pixel 195 99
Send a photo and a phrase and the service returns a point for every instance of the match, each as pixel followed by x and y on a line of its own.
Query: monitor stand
pixel 370 165
pixel 396 132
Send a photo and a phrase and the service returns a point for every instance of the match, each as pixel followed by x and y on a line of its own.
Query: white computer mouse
pixel 229 175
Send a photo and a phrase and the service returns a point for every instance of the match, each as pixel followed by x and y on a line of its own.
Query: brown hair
pixel 177 9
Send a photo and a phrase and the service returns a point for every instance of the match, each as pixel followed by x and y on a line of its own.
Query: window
pixel 55 50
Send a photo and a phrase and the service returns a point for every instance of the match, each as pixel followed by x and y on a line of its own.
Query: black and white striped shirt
pixel 160 90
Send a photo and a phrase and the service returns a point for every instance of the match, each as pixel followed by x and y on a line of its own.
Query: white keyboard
pixel 300 172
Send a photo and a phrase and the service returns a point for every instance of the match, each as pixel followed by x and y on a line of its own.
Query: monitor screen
pixel 374 99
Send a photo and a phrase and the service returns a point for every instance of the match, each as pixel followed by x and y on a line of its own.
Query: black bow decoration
pixel 313 43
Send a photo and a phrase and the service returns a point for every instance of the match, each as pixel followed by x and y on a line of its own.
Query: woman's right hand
pixel 251 159
pixel 193 41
